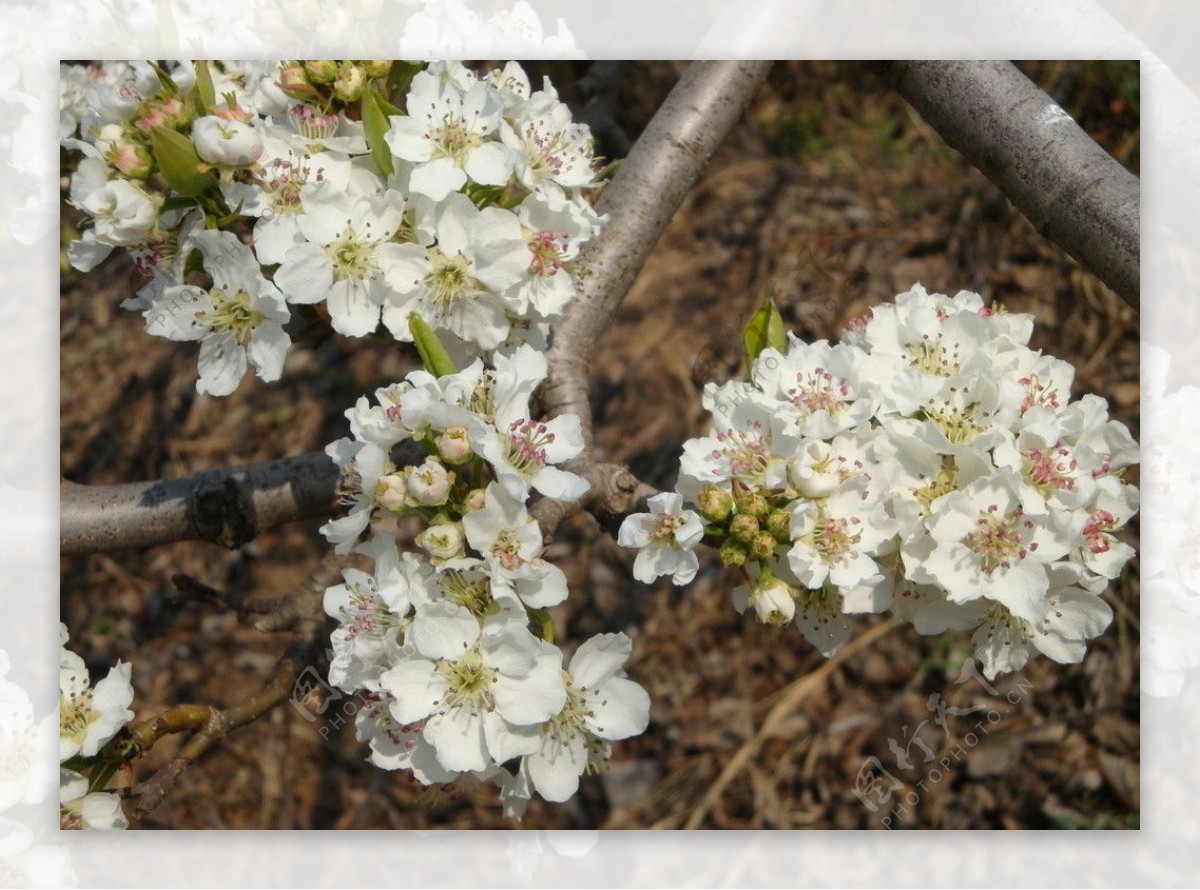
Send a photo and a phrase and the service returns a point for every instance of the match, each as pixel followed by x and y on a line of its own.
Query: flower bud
pixel 476 499
pixel 350 83
pixel 715 504
pixel 773 601
pixel 814 471
pixel 294 82
pixel 743 527
pixel 131 159
pixel 762 545
pixel 320 70
pixel 226 142
pixel 376 67
pixel 733 553
pixel 391 492
pixel 751 502
pixel 454 446
pixel 443 541
pixel 429 484
pixel 779 524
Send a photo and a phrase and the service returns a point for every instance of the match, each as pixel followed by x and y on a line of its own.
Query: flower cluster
pixel 243 189
pixel 930 463
pixel 88 718
pixel 439 641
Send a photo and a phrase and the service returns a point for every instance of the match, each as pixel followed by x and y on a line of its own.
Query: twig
pixel 793 695
pixel 299 610
pixel 1069 187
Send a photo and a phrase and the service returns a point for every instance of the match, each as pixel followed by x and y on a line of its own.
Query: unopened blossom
pixel 228 142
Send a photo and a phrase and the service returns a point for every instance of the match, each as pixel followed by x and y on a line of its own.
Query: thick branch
pixel 227 506
pixel 649 187
pixel 1068 186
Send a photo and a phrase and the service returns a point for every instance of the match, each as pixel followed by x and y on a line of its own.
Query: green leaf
pixel 205 92
pixel 433 353
pixel 375 127
pixel 400 77
pixel 179 163
pixel 764 330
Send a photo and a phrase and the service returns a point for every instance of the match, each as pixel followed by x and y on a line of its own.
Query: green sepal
pixel 179 163
pixel 206 94
pixel 375 128
pixel 765 330
pixel 165 79
pixel 433 353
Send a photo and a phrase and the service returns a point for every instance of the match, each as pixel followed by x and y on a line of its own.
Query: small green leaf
pixel 375 127
pixel 400 77
pixel 205 92
pixel 433 353
pixel 179 163
pixel 764 330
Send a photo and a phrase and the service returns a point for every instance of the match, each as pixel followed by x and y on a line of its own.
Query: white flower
pixel 429 484
pixel 1073 616
pixel 548 145
pixel 456 285
pixel 89 717
pixel 987 546
pixel 666 538
pixel 483 691
pixel 122 213
pixel 79 810
pixel 511 544
pixel 446 134
pixel 239 320
pixel 602 706
pixel 221 141
pixel 835 538
pixel 281 179
pixel 523 454
pixel 362 464
pixel 346 255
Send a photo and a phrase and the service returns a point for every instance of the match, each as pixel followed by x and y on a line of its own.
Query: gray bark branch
pixel 1069 187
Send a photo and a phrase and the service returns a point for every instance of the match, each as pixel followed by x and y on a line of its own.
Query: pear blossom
pixel 602 706
pixel 666 538
pixel 228 142
pixel 481 690
pixel 345 258
pixel 238 321
pixel 446 134
pixel 90 716
pixel 80 810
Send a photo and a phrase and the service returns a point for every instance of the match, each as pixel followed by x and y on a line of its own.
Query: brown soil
pixel 832 195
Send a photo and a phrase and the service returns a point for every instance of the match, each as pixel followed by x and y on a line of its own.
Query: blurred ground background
pixel 832 195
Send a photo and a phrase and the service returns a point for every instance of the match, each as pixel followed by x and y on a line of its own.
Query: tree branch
pixel 652 182
pixel 1068 186
pixel 227 506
